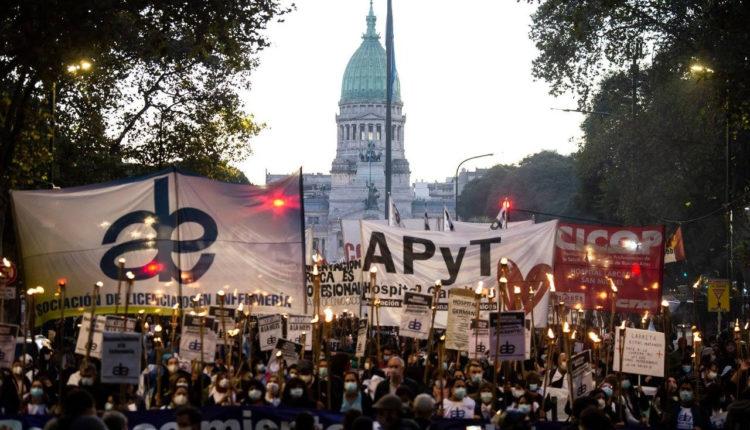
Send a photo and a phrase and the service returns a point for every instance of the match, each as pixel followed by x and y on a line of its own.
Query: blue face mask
pixel 524 409
pixel 687 368
pixel 459 392
pixel 533 387
pixel 607 391
pixel 625 384
pixel 686 396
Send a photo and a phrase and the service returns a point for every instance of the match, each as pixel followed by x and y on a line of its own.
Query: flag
pixel 500 221
pixel 391 59
pixel 675 250
pixel 426 221
pixel 447 220
pixel 394 217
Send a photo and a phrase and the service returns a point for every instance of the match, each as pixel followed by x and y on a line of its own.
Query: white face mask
pixel 132 407
pixel 88 381
pixel 182 385
pixel 108 406
pixel 254 394
pixel 224 383
pixel 180 399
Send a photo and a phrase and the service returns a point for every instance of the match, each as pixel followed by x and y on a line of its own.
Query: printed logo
pixel 164 223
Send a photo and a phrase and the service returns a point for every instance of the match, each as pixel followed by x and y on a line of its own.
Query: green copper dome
pixel 364 78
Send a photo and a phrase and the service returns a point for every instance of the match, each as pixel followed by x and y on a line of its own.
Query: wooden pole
pixel 120 273
pixel 92 323
pixel 430 336
pixel 131 278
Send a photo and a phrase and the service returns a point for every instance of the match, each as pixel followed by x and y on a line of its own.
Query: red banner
pixel 590 259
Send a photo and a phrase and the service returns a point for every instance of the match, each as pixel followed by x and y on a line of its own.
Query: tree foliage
pixel 163 88
pixel 544 182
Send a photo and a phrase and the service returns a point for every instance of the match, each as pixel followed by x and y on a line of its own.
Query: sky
pixel 465 78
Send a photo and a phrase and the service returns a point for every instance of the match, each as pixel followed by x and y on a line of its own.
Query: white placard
pixel 643 353
pixel 581 374
pixel 190 345
pixel 461 309
pixel 479 342
pixel 512 336
pixel 341 287
pixel 361 339
pixel 297 325
pixel 415 319
pixel 121 358
pixel 270 331
pixel 290 352
pixel 8 334
pixel 96 340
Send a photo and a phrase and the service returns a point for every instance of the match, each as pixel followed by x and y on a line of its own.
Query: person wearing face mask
pixel 557 374
pixel 459 405
pixel 20 381
pixel 395 379
pixel 89 382
pixel 629 401
pixel 386 355
pixel 36 402
pixel 297 395
pixel 713 407
pixel 254 394
pixel 475 379
pixel 610 408
pixel 353 398
pixel 687 416
pixel 180 398
pixel 487 405
pixel 221 392
pixel 273 391
pixel 319 386
pixel 665 401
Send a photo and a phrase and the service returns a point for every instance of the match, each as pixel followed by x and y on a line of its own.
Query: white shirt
pixel 463 409
pixel 685 419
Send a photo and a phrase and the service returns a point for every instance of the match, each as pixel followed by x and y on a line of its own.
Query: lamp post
pixel 455 178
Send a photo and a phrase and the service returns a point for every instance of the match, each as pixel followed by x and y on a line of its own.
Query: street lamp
pixel 81 66
pixel 455 178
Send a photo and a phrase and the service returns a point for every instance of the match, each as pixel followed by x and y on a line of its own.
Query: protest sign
pixel 83 335
pixel 643 352
pixel 595 256
pixel 290 351
pixel 115 323
pixel 718 295
pixel 581 374
pixel 8 334
pixel 295 327
pixel 361 339
pixel 409 261
pixel 461 309
pixel 223 318
pixel 416 316
pixel 341 286
pixel 270 331
pixel 190 345
pixel 121 358
pixel 479 341
pixel 180 233
pixel 512 336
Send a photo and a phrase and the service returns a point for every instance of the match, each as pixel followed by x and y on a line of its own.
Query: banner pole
pixel 430 335
pixel 548 361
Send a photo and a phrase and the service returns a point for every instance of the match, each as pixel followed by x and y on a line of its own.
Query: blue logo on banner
pixel 165 223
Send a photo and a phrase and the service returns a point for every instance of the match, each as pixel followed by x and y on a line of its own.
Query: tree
pixel 163 88
pixel 544 182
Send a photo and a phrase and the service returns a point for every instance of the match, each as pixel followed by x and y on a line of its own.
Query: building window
pixel 347 132
pixel 377 135
pixel 362 135
pixel 369 132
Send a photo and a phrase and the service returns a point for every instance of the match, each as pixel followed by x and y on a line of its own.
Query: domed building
pixel 355 188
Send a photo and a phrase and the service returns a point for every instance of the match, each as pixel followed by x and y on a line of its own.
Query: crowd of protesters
pixel 705 388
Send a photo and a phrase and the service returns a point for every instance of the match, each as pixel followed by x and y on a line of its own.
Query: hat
pixel 389 402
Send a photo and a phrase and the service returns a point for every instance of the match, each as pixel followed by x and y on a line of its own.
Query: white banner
pixel 581 374
pixel 190 345
pixel 96 340
pixel 461 310
pixel 416 316
pixel 643 352
pixel 296 326
pixel 270 331
pixel 340 287
pixel 512 336
pixel 352 239
pixel 121 358
pixel 8 334
pixel 410 261
pixel 174 230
